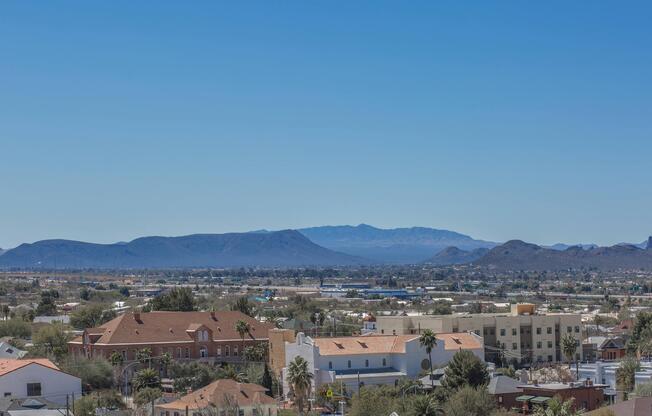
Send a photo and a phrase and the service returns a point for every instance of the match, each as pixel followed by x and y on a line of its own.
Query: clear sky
pixel 528 120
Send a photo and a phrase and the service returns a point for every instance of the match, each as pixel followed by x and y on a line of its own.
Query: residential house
pixel 373 359
pixel 612 348
pixel 602 372
pixel 221 398
pixel 32 407
pixel 37 377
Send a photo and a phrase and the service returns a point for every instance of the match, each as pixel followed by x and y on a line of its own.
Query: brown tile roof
pixel 639 406
pixel 457 340
pixel 244 394
pixel 160 326
pixel 369 344
pixel 385 344
pixel 7 366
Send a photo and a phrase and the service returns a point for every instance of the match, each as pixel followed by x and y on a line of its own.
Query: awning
pixel 540 399
pixel 524 398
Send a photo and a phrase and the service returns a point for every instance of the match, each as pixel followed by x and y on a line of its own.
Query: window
pixel 366 363
pixel 227 350
pixel 203 352
pixel 240 412
pixel 513 331
pixel 539 358
pixel 384 362
pixel 349 363
pixel 502 332
pixel 162 413
pixel 549 330
pixel 330 365
pixel 187 352
pixel 549 344
pixel 491 331
pixel 235 351
pixel 219 350
pixel 514 346
pixel 7 394
pixel 538 344
pixel 124 355
pixel 393 332
pixel 33 389
pixel 176 413
pixel 178 352
pixel 538 331
pixel 577 329
pixel 254 412
pixel 569 329
pixel 382 331
pixel 550 358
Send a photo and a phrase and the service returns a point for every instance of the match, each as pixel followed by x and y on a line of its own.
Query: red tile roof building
pixel 210 336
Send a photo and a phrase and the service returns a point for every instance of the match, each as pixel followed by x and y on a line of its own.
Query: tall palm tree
pixel 625 375
pixel 569 348
pixel 429 341
pixel 243 328
pixel 301 381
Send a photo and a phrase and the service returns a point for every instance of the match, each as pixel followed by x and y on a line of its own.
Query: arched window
pixel 349 363
pixel 203 352
pixel 227 350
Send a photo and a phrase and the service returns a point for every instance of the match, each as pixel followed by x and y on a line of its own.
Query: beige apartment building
pixel 522 335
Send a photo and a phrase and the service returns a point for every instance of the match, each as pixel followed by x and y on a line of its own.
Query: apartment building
pixel 521 335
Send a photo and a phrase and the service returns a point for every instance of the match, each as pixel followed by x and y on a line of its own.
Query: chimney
pixel 137 316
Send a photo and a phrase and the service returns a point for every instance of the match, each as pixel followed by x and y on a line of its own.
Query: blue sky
pixel 502 120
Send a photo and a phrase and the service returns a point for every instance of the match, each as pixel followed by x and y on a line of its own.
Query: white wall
pixel 55 385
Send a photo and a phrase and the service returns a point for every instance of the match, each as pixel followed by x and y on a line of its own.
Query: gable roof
pixel 9 365
pixel 163 326
pixel 9 351
pixel 615 342
pixel 216 393
pixel 503 385
pixel 460 340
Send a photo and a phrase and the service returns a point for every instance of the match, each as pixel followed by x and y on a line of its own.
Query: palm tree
pixel 230 372
pixel 165 361
pixel 569 348
pixel 427 405
pixel 556 407
pixel 242 328
pixel 301 381
pixel 144 356
pixel 116 359
pixel 146 378
pixel 625 375
pixel 428 340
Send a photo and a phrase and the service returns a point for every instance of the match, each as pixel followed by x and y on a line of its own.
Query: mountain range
pixel 398 245
pixel 324 246
pixel 519 255
pixel 286 248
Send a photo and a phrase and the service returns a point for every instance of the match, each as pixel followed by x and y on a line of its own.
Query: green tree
pixel 51 340
pixel 464 369
pixel 556 407
pixel 267 381
pixel 177 299
pixel 300 380
pixel 243 305
pixel 144 356
pixel 91 316
pixel 46 306
pixel 643 390
pixel 429 341
pixel 426 405
pixel 242 328
pixel 146 377
pixel 86 405
pixel 116 359
pixel 15 328
pixel 569 349
pixel 147 395
pixel 95 373
pixel 625 375
pixel 469 401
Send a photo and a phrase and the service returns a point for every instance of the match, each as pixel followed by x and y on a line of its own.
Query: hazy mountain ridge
pixel 286 248
pixel 454 255
pixel 396 245
pixel 518 255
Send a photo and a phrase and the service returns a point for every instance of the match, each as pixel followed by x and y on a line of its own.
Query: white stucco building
pixel 602 372
pixel 374 359
pixel 37 378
